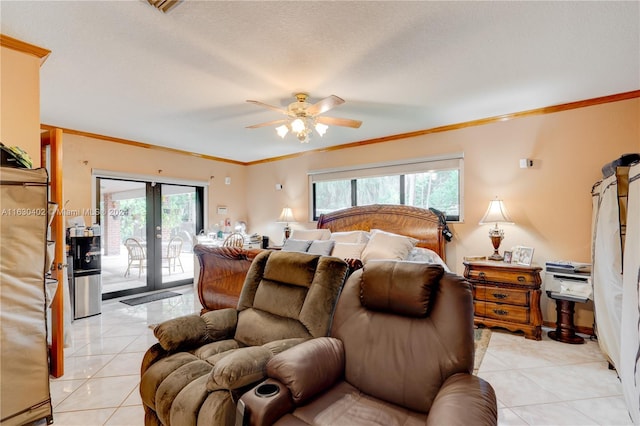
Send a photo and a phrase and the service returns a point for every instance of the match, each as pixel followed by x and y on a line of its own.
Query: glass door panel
pixel 179 217
pixel 123 221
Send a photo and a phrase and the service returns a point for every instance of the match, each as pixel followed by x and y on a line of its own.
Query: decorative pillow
pixel 322 247
pixel 296 245
pixel 386 245
pixel 310 234
pixel 424 255
pixel 348 250
pixel 350 236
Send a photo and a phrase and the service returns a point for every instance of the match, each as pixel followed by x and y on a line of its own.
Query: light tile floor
pixel 536 382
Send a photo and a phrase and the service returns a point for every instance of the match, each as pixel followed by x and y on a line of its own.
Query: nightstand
pixel 506 295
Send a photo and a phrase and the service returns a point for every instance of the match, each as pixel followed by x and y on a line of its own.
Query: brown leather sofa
pixel 222 274
pixel 400 353
pixel 203 363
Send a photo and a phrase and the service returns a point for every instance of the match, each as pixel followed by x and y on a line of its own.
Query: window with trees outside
pixel 426 183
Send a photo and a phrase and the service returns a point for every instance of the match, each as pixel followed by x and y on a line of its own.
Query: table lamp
pixel 496 213
pixel 286 216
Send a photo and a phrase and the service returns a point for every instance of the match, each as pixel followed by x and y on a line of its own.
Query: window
pixel 426 183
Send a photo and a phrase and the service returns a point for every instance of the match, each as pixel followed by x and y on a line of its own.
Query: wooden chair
pixel 137 256
pixel 173 254
pixel 234 240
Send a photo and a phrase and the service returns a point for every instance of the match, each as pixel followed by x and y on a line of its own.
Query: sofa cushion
pixel 293 268
pixel 391 287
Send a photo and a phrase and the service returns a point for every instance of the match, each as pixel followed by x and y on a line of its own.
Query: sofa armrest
pixel 257 409
pixel 309 368
pixel 245 366
pixel 464 399
pixel 195 330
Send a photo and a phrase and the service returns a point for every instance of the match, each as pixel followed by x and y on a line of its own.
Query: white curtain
pixel 607 268
pixel 630 330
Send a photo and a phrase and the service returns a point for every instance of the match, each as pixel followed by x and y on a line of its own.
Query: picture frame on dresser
pixel 507 256
pixel 526 256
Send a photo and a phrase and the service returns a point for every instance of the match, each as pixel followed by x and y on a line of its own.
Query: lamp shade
pixel 496 213
pixel 286 215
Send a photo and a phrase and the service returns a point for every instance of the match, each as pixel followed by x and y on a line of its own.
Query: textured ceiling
pixel 180 80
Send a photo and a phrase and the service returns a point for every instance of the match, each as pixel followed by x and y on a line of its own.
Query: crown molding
pixel 24 47
pixel 480 122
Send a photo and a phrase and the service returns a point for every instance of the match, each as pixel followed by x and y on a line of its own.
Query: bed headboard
pixel 414 222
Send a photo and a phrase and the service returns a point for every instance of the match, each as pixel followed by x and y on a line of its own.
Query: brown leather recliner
pixel 400 353
pixel 203 363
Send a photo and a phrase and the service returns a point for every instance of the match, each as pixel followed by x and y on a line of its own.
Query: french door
pixel 147 234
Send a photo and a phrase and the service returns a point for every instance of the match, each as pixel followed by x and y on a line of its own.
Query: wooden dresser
pixel 506 295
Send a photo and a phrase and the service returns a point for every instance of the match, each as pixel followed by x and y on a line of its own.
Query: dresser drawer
pixel 501 295
pixel 509 313
pixel 503 275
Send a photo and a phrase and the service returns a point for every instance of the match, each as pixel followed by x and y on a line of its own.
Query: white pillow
pixel 350 236
pixel 348 250
pixel 323 247
pixel 424 255
pixel 310 234
pixel 296 245
pixel 386 245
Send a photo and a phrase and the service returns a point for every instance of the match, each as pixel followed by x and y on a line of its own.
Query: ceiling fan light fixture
pixel 302 117
pixel 282 130
pixel 303 137
pixel 321 129
pixel 298 125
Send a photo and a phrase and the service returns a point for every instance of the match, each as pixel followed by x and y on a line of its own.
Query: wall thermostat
pixel 526 163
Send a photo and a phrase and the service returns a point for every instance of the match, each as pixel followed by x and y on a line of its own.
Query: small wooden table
pixel 565 331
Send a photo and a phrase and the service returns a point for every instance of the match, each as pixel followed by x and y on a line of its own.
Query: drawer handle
pixel 482 275
pixel 521 279
pixel 500 312
pixel 500 295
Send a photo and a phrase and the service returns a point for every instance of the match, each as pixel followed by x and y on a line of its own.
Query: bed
pixel 222 269
pixel 421 224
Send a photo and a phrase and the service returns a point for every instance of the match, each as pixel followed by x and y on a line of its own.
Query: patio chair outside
pixel 136 256
pixel 173 254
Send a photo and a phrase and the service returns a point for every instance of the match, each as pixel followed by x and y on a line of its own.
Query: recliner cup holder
pixel 266 390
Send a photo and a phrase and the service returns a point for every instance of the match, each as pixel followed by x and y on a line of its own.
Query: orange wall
pixel 20 101
pixel 103 155
pixel 550 203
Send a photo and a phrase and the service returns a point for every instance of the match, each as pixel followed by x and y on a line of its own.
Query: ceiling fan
pixel 303 117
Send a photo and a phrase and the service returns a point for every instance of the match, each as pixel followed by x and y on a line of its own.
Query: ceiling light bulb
pixel 282 131
pixel 321 129
pixel 297 125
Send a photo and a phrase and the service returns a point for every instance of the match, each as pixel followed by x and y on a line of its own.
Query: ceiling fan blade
pixel 268 123
pixel 275 108
pixel 325 105
pixel 333 121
